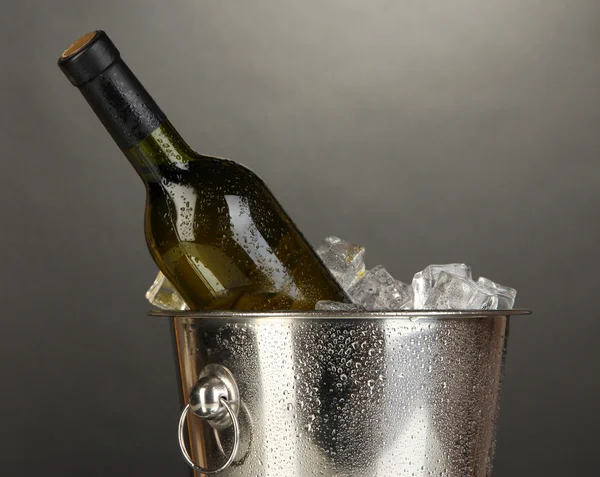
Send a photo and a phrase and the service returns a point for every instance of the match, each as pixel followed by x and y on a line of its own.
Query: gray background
pixel 429 131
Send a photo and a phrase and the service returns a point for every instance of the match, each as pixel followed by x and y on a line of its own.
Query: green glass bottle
pixel 212 226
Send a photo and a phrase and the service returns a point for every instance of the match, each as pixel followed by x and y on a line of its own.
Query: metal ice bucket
pixel 324 394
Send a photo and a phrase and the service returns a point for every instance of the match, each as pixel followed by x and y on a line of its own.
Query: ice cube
pixel 344 260
pixel 424 281
pixel 327 305
pixel 379 291
pixel 506 295
pixel 452 292
pixel 163 295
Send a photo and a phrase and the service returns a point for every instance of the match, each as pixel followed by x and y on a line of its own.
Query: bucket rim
pixel 346 315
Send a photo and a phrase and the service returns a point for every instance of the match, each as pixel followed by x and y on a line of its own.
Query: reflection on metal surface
pixel 355 396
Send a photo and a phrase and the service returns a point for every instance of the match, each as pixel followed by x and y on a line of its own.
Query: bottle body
pixel 219 235
pixel 212 226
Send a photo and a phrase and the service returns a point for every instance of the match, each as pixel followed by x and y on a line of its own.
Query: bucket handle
pixel 214 398
pixel 236 441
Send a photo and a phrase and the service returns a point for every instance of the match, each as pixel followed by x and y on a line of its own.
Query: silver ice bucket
pixel 324 394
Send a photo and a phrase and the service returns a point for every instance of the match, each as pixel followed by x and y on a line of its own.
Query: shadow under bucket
pixel 329 394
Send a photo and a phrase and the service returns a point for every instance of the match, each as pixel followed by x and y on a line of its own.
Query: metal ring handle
pixel 236 440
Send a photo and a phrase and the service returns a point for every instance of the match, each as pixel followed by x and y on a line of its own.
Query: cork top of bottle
pixel 79 44
pixel 88 57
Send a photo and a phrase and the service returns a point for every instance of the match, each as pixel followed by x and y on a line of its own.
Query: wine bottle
pixel 212 226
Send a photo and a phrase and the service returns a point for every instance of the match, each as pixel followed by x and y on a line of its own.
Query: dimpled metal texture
pixel 384 395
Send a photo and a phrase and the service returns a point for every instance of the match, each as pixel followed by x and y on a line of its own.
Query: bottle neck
pixel 160 154
pixel 136 123
pixel 122 104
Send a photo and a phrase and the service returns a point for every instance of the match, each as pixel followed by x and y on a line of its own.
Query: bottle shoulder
pixel 201 161
pixel 208 170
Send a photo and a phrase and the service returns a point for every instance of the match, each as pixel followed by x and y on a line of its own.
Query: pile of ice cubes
pixel 437 287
